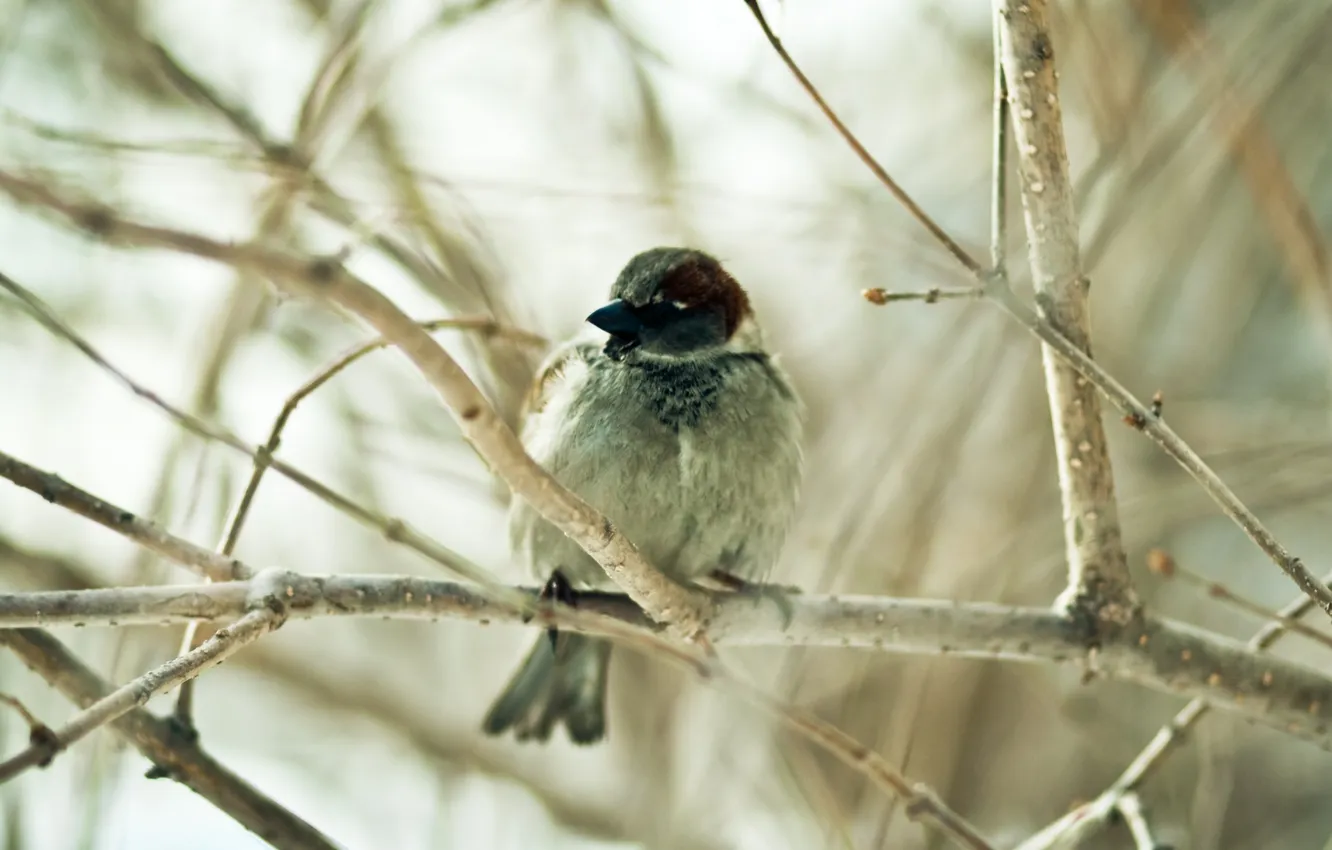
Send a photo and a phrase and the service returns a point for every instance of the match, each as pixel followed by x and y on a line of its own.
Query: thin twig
pixel 999 164
pixel 28 717
pixel 912 207
pixel 223 643
pixel 1163 435
pixel 880 297
pixel 392 528
pixel 483 325
pixel 172 755
pixel 1169 736
pixel 1099 583
pixel 1130 808
pixel 1163 564
pixel 231 536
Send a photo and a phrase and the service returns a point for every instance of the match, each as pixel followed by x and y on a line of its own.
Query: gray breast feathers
pixel 697 462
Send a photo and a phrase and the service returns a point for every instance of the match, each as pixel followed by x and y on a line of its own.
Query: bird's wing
pixel 553 373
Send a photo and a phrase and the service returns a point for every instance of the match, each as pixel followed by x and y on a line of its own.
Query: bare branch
pixel 684 608
pixel 159 741
pixel 1130 808
pixel 1074 355
pixel 56 490
pixel 1142 417
pixel 999 163
pixel 1170 735
pixel 880 297
pixel 1099 583
pixel 871 163
pixel 1160 654
pixel 394 529
pixel 223 643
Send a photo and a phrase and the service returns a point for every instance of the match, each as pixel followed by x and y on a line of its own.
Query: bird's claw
pixel 779 594
pixel 558 590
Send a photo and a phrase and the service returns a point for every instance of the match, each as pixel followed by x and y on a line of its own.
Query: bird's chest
pixel 660 452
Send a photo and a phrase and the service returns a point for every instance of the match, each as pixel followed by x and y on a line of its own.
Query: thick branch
pixel 172 755
pixel 1161 654
pixel 1099 581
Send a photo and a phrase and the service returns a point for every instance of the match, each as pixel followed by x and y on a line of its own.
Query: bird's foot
pixel 557 590
pixel 779 594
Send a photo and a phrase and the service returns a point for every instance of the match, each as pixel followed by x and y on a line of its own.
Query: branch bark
pixel 1099 583
pixel 173 756
pixel 1161 654
pixel 146 533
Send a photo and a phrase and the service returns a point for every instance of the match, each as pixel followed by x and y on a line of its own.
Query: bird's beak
pixel 616 319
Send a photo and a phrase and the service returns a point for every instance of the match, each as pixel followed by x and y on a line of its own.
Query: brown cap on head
pixel 684 275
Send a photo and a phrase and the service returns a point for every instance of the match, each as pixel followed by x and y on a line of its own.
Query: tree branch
pixel 175 757
pixel 1099 584
pixel 684 608
pixel 1161 654
pixel 1139 414
pixel 223 643
pixel 1164 742
pixel 147 534
pixel 392 528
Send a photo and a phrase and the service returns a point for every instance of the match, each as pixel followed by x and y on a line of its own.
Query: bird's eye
pixel 660 312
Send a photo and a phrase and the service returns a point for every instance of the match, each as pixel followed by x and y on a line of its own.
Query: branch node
pixel 42 737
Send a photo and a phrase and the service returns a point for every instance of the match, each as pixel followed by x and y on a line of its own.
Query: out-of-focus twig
pixel 223 643
pixel 1099 584
pixel 1286 211
pixel 159 741
pixel 392 528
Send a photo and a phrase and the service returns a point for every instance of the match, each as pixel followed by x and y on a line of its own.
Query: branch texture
pixel 1161 654
pixel 1099 582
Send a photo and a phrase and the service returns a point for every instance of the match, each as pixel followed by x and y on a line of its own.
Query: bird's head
pixel 676 303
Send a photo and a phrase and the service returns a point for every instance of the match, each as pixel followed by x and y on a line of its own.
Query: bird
pixel 669 415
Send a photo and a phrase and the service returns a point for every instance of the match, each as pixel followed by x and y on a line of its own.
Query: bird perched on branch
pixel 673 420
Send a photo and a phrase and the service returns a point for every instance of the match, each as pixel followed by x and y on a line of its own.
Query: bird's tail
pixel 562 683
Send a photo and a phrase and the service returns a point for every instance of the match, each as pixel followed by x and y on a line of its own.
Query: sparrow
pixel 668 415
